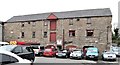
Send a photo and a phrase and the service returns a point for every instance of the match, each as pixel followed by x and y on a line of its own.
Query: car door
pixel 7 59
pixel 28 53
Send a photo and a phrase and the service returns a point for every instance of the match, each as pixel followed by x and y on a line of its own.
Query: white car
pixel 77 54
pixel 8 58
pixel 116 50
pixel 109 56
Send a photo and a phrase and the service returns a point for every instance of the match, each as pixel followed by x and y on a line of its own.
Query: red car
pixel 49 52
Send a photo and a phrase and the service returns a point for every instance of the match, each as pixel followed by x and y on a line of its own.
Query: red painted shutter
pixel 53 25
pixel 53 37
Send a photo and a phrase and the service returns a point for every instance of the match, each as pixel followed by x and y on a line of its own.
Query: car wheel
pixel 70 57
pixel 66 56
pixel 32 60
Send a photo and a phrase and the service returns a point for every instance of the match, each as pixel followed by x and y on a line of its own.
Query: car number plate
pixel 91 57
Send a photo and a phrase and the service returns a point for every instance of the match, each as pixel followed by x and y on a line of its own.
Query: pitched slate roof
pixel 67 14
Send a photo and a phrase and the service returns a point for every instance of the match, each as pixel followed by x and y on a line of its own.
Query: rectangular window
pixel 70 21
pixel 45 23
pixel 33 34
pixel 53 25
pixel 33 23
pixel 71 33
pixel 78 19
pixel 22 24
pixel 22 34
pixel 89 32
pixel 52 36
pixel 29 22
pixel 45 34
pixel 88 20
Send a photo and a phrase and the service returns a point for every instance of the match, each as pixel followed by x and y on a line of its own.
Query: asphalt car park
pixel 67 60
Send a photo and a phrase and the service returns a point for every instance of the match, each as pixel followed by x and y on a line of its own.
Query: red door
pixel 53 37
pixel 52 24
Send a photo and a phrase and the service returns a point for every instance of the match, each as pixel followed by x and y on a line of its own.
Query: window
pixel 22 25
pixel 22 34
pixel 88 20
pixel 33 34
pixel 29 22
pixel 27 49
pixel 45 23
pixel 6 59
pixel 90 32
pixel 33 23
pixel 78 19
pixel 17 50
pixel 53 25
pixel 70 21
pixel 45 34
pixel 71 33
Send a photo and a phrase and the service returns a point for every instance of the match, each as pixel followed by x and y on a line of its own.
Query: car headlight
pixel 56 53
pixel 70 54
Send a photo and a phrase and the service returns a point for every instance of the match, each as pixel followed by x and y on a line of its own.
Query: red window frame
pixel 52 36
pixel 52 24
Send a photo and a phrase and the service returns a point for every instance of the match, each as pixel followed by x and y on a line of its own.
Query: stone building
pixel 78 28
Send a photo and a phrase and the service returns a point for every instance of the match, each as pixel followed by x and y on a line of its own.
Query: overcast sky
pixel 10 8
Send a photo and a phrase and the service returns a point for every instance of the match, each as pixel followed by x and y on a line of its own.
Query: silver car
pixel 77 54
pixel 109 56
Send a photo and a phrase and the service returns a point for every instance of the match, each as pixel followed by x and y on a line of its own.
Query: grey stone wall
pixel 100 25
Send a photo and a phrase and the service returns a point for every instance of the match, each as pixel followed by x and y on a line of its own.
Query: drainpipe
pixel 63 39
pixel 2 31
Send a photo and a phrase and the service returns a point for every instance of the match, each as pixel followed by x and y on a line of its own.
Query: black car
pixel 24 51
pixel 63 54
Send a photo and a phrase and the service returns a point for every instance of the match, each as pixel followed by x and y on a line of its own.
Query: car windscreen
pixel 109 53
pixel 76 51
pixel 92 51
pixel 42 48
pixel 35 47
pixel 47 50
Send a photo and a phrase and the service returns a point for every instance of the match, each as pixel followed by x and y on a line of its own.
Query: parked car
pixel 63 53
pixel 4 43
pixel 85 50
pixel 38 49
pixel 116 50
pixel 25 52
pixel 77 54
pixel 108 56
pixel 92 53
pixel 8 58
pixel 49 52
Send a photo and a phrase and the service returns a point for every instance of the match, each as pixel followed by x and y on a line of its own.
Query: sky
pixel 10 8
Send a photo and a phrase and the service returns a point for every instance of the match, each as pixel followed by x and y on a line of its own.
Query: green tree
pixel 116 36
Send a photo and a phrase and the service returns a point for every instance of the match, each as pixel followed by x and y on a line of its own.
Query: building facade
pixel 79 28
pixel 118 16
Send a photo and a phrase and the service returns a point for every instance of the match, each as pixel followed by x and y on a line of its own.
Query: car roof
pixel 8 47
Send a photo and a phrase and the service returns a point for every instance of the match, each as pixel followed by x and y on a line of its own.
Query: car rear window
pixel 47 50
pixel 77 51
pixel 29 49
pixel 35 47
pixel 42 48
